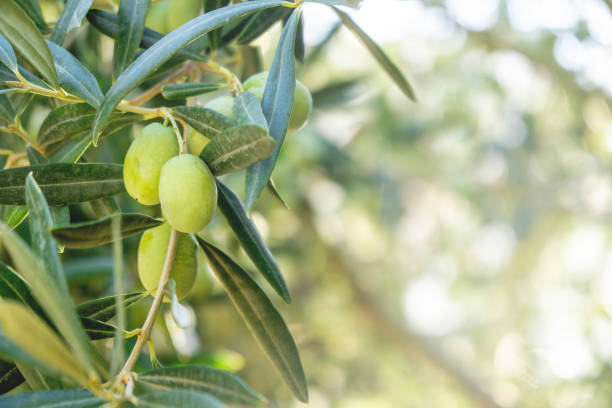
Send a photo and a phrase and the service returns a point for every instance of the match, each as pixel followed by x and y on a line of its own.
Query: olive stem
pixel 147 327
pixel 157 88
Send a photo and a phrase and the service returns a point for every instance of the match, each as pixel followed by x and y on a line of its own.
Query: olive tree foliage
pixel 48 342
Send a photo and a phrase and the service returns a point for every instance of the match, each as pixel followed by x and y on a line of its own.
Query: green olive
pixel 222 104
pixel 152 255
pixel 181 11
pixel 197 142
pixel 302 102
pixel 157 17
pixel 144 160
pixel 187 193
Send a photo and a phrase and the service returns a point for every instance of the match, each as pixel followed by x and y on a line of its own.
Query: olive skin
pixel 223 105
pixel 144 160
pixel 197 142
pixel 302 102
pixel 152 255
pixel 187 193
pixel 181 11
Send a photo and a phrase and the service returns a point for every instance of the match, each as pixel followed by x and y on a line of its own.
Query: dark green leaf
pixel 49 399
pixel 300 46
pixel 74 77
pixel 348 3
pixel 187 89
pixel 390 68
pixel 214 36
pixel 10 377
pixel 108 23
pixel 103 309
pixel 222 384
pixel 7 55
pixel 271 186
pixel 132 14
pixel 71 17
pixel 261 22
pixel 35 157
pixel 204 120
pixel 277 103
pixel 21 32
pixel 247 110
pixel 164 49
pixel 178 398
pixel 15 216
pixel 70 151
pixel 262 319
pixel 63 183
pixel 94 233
pixel 32 9
pixel 251 241
pixel 97 330
pixel 13 287
pixel 65 122
pixel 7 112
pixel 237 148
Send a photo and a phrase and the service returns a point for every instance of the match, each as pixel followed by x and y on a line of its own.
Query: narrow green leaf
pixel 19 324
pixel 237 148
pixel 252 243
pixel 97 330
pixel 74 77
pixel 261 22
pixel 13 287
pixel 108 23
pixel 65 122
pixel 7 55
pixel 15 216
pixel 52 399
pixel 118 354
pixel 167 47
pixel 20 31
pixel 103 309
pixel 187 89
pixel 222 384
pixel 32 9
pixel 70 151
pixel 33 376
pixel 40 224
pixel 10 377
pixel 348 3
pixel 71 17
pixel 204 120
pixel 247 110
pixel 262 319
pixel 7 112
pixel 385 62
pixel 178 398
pixel 277 103
pixel 300 46
pixel 34 156
pixel 10 351
pixel 132 14
pixel 271 186
pixel 90 234
pixel 215 35
pixel 63 183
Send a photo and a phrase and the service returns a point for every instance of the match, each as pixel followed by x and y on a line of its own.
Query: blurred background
pixel 450 253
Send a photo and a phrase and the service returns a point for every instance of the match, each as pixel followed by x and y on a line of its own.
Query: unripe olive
pixel 187 193
pixel 222 104
pixel 157 17
pixel 144 160
pixel 152 255
pixel 302 100
pixel 197 142
pixel 181 11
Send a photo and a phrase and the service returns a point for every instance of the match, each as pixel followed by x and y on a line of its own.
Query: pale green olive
pixel 144 160
pixel 152 255
pixel 157 17
pixel 197 142
pixel 181 11
pixel 223 105
pixel 302 102
pixel 187 193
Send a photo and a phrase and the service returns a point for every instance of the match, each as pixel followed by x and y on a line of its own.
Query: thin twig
pixel 157 88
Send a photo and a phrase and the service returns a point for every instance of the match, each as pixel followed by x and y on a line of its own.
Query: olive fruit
pixel 152 255
pixel 157 17
pixel 144 160
pixel 222 104
pixel 197 142
pixel 187 193
pixel 181 11
pixel 302 102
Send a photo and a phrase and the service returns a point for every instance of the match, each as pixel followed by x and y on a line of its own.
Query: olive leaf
pixel 10 377
pixel 164 49
pixel 348 3
pixel 7 55
pixel 247 110
pixel 252 243
pixel 32 9
pixel 188 89
pixel 221 384
pixel 206 121
pixel 103 309
pixel 260 316
pixel 261 22
pixel 72 15
pixel 21 32
pixel 214 37
pixel 54 398
pixel 178 398
pixel 277 103
pixel 132 14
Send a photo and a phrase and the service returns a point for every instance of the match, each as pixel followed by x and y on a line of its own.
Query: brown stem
pixel 157 88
